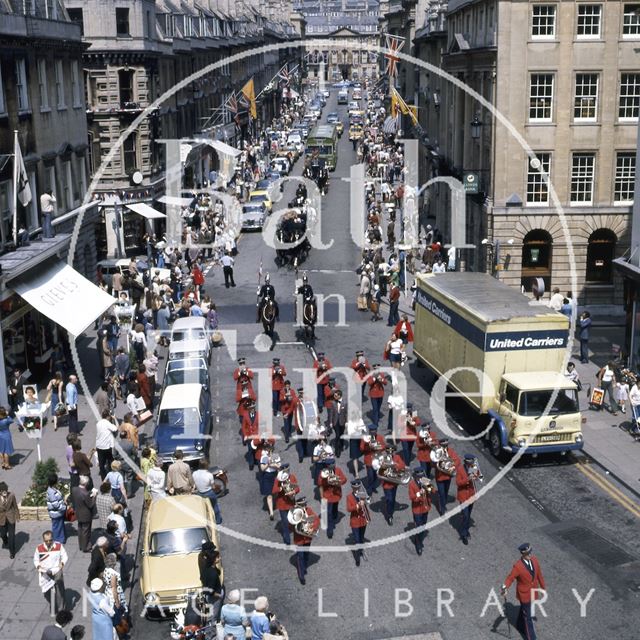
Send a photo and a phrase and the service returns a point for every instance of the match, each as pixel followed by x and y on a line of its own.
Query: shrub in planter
pixel 36 494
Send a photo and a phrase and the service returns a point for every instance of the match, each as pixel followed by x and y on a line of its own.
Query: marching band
pixel 324 440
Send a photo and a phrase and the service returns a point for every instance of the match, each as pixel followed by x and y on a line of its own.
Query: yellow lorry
pixel 509 355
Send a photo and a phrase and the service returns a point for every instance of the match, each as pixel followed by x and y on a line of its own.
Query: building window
pixel 629 102
pixel 122 23
pixel 22 89
pixel 585 102
pixel 125 84
pixel 543 21
pixel 589 21
pixel 129 154
pixel 600 254
pixel 541 97
pixel 625 177
pixel 75 84
pixel 537 187
pixel 50 178
pixel 582 174
pixel 75 15
pixel 60 85
pixel 631 21
pixel 43 84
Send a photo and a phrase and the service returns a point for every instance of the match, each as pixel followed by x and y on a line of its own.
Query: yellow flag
pixel 394 106
pixel 249 92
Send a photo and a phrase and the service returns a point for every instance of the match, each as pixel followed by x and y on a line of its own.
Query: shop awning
pixel 63 295
pixel 225 148
pixel 174 200
pixel 145 211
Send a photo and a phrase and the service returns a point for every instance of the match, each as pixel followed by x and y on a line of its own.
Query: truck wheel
pixel 495 444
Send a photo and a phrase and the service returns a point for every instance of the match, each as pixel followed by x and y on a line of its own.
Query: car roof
pixel 178 396
pixel 259 192
pixel 186 363
pixel 192 322
pixel 178 512
pixel 186 346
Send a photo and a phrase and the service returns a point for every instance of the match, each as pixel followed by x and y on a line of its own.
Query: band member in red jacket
pixel 377 382
pixel 427 440
pixel 278 374
pixel 390 488
pixel 527 575
pixel 331 480
pixel 409 432
pixel 250 429
pixel 300 539
pixel 329 388
pixel 359 515
pixel 288 399
pixel 322 365
pixel 361 367
pixel 371 444
pixel 443 479
pixel 420 489
pixel 466 477
pixel 285 489
pixel 244 387
pixel 299 428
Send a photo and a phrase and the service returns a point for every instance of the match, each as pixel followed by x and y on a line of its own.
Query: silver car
pixel 253 216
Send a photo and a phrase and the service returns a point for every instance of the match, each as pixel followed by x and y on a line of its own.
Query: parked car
pixel 191 329
pixel 190 348
pixel 184 422
pixel 187 371
pixel 175 529
pixel 253 216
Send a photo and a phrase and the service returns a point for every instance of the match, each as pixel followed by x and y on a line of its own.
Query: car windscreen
pixel 322 149
pixel 258 198
pixel 534 403
pixel 184 418
pixel 186 376
pixel 165 543
pixel 188 334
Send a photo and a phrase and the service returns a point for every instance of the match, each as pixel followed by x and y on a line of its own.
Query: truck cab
pixel 544 401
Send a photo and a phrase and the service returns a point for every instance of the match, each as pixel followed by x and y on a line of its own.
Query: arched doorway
pixel 601 251
pixel 536 259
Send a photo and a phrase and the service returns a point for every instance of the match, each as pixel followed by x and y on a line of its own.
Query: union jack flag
pixel 284 74
pixel 232 107
pixel 394 44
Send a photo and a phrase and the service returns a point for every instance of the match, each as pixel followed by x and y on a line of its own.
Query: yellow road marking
pixel 609 488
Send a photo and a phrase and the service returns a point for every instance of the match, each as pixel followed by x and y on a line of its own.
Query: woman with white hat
pixel 101 612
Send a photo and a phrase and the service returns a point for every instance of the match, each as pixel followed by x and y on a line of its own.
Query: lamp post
pixel 476 127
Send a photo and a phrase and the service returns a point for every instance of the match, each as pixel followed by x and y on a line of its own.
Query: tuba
pixel 302 523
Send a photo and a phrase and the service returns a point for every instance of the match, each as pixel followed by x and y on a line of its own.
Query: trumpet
pixel 426 485
pixel 475 475
pixel 277 371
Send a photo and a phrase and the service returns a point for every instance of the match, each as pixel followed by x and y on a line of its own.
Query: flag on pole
pixel 394 44
pixel 249 93
pixel 21 179
pixel 283 74
pixel 232 107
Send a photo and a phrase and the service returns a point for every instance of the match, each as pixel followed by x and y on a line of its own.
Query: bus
pixel 323 139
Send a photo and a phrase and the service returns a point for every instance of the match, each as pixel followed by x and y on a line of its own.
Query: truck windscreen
pixel 534 403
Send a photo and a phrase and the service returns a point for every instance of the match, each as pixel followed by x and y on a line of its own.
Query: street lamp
pixel 476 126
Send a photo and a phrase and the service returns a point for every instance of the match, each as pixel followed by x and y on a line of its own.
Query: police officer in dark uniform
pixel 305 289
pixel 266 291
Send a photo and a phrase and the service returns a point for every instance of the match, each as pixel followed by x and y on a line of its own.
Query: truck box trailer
pixel 504 355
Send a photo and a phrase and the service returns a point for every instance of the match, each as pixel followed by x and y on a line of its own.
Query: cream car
pixel 175 529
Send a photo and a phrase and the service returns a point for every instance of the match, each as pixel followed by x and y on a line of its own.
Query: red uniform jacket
pixel 328 395
pixel 409 433
pixel 424 450
pixel 301 540
pixel 250 425
pixel 277 381
pixel 332 492
pixel 282 502
pixel 243 407
pixel 287 406
pixel 400 465
pixel 361 368
pixel 365 447
pixel 322 377
pixel 443 477
pixel 376 387
pixel 356 519
pixel 419 503
pixel 465 486
pixel 525 582
pixel 406 327
pixel 239 380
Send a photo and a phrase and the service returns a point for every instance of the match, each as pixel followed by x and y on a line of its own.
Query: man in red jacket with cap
pixel 465 482
pixel 331 479
pixel 527 575
pixel 302 541
pixel 359 515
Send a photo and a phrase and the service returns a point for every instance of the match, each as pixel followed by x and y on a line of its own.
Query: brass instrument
pixel 442 461
pixel 425 485
pixel 385 466
pixel 331 477
pixel 288 488
pixel 326 453
pixel 363 500
pixel 425 435
pixel 475 475
pixel 303 524
pixel 274 460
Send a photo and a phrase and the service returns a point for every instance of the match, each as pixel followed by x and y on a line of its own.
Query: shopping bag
pixel 145 416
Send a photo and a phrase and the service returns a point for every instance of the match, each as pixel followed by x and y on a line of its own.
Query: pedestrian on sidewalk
pixel 101 612
pixel 155 480
pixel 583 335
pixel 84 502
pixel 9 516
pixel 81 461
pixel 6 441
pixel 57 509
pixel 394 305
pixel 104 504
pixel 72 403
pixel 227 269
pixel 621 394
pixel 54 395
pixel 56 631
pixel 49 560
pixel 105 438
pixel 116 480
pixel 608 381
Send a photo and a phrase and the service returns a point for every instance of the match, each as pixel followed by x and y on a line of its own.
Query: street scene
pixel 319 320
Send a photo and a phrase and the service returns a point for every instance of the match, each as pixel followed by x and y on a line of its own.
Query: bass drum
pixel 308 416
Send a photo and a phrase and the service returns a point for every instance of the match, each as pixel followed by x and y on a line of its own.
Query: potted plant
pixel 34 502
